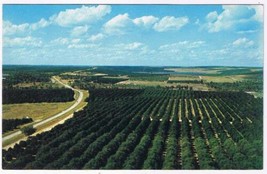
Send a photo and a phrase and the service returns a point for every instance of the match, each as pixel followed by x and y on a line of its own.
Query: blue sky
pixel 154 35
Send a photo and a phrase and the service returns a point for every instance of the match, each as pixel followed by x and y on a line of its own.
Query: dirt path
pixel 78 101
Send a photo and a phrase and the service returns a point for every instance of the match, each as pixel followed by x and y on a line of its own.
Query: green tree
pixel 28 130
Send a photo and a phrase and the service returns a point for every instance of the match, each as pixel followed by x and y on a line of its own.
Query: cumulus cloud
pixel 96 37
pixel 258 12
pixel 12 29
pixel 75 41
pixel 233 17
pixel 70 17
pixel 133 46
pixel 118 24
pixel 182 45
pixel 40 24
pixel 145 21
pixel 81 16
pixel 78 31
pixel 130 46
pixel 22 42
pixel 212 16
pixel 243 42
pixel 170 23
pixel 60 41
pixel 122 22
pixel 82 46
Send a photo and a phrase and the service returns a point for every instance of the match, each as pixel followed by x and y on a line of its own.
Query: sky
pixel 146 35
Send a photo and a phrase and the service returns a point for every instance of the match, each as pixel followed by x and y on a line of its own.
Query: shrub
pixel 28 130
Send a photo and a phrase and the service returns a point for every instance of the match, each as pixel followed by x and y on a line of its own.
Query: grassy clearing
pixel 218 79
pixel 194 70
pixel 50 124
pixel 37 111
pixel 164 84
pixel 223 79
pixel 144 83
pixel 181 77
pixel 116 77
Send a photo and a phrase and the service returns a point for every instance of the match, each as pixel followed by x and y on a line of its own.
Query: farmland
pixel 151 129
pixel 161 121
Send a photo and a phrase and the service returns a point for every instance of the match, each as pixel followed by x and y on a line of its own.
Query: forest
pixel 151 128
pixel 247 85
pixel 11 124
pixel 29 95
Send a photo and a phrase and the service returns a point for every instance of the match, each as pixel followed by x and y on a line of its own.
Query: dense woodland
pixel 149 77
pixel 151 129
pixel 14 95
pixel 248 85
pixel 14 74
pixel 11 124
pixel 24 77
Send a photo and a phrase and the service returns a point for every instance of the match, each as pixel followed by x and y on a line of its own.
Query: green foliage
pixel 149 77
pixel 185 81
pixel 140 129
pixel 11 124
pixel 28 130
pixel 247 85
pixel 11 96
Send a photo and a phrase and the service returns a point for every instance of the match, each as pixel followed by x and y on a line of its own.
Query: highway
pixel 78 101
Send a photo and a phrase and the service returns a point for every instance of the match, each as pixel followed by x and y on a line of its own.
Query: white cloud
pixel 247 31
pixel 65 41
pixel 22 42
pixel 60 41
pixel 10 29
pixel 145 21
pixel 233 17
pixel 82 46
pixel 258 12
pixel 129 47
pixel 40 24
pixel 170 23
pixel 83 15
pixel 243 42
pixel 75 41
pixel 182 45
pixel 78 31
pixel 96 37
pixel 118 24
pixel 212 16
pixel 133 46
pixel 122 22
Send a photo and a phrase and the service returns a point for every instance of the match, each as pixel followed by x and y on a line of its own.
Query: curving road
pixel 78 101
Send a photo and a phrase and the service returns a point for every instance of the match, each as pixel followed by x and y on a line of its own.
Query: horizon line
pixel 132 65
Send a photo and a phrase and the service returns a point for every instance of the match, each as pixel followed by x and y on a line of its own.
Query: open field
pixel 219 79
pixel 47 126
pixel 182 77
pixel 229 79
pixel 37 111
pixel 194 70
